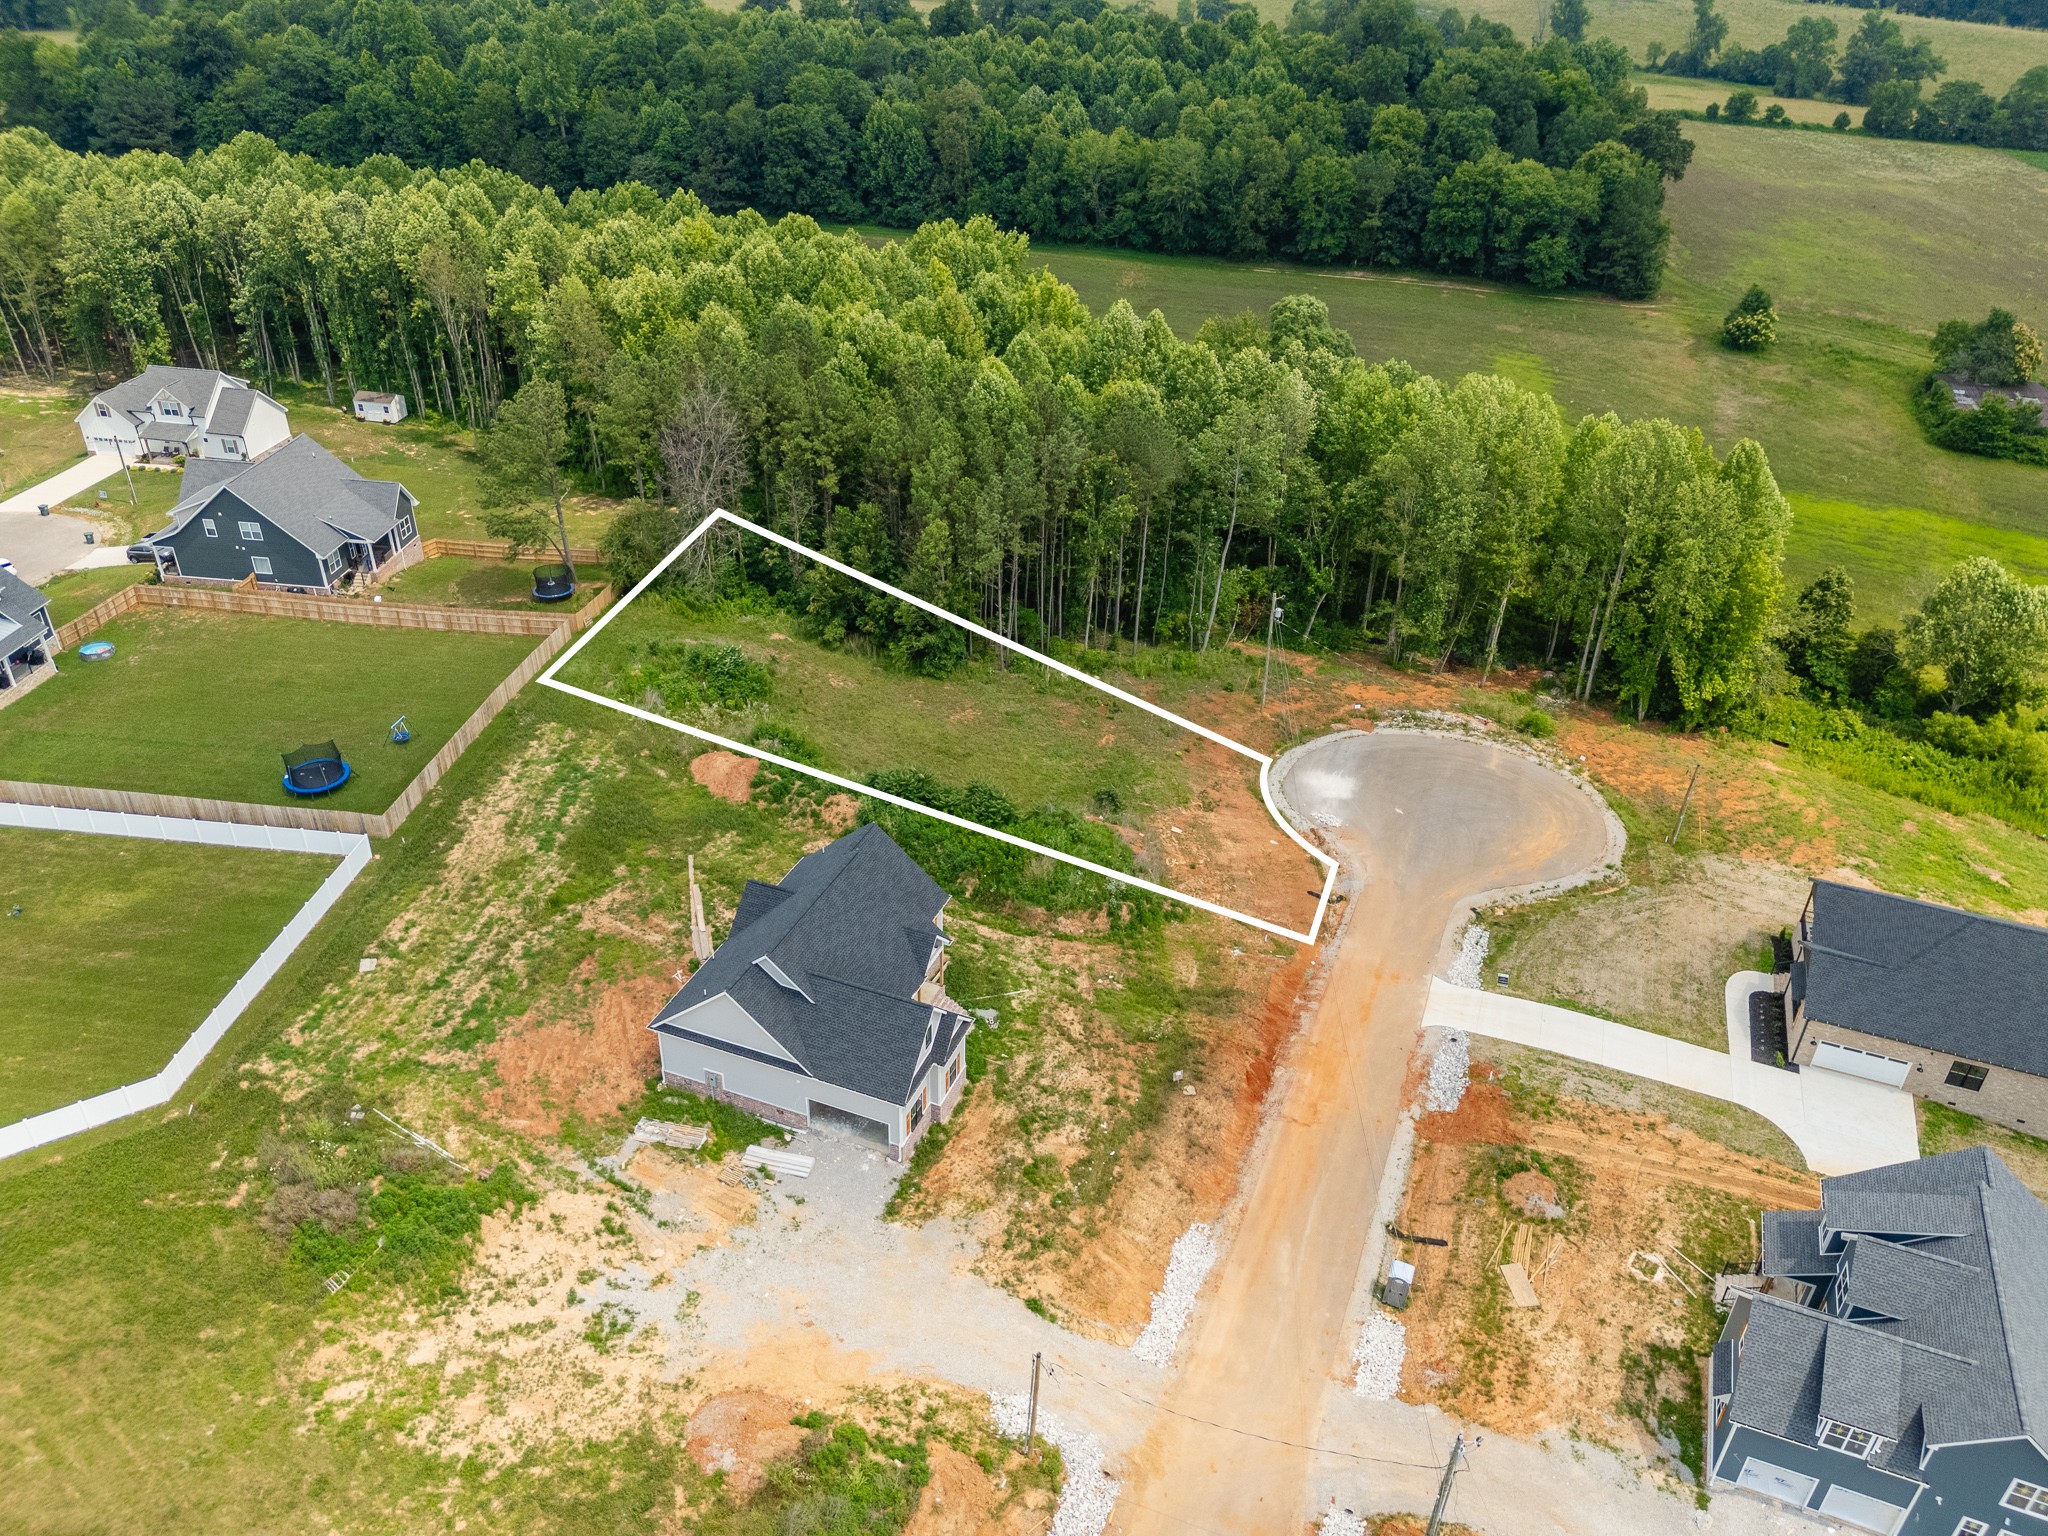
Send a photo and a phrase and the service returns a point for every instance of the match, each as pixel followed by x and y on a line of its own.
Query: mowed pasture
pixel 204 704
pixel 122 948
pixel 1866 244
pixel 1993 56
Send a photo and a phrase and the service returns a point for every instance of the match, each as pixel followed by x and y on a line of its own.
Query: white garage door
pixel 1855 1063
pixel 1778 1482
pixel 1861 1509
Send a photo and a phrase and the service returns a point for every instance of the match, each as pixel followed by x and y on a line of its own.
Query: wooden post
pixel 1684 806
pixel 1031 1413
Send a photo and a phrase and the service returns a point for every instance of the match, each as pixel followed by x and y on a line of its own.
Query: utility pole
pixel 1272 619
pixel 1684 806
pixel 1031 1413
pixel 1443 1489
pixel 122 458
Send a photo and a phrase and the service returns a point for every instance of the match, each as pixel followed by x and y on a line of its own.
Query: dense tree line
pixel 1360 132
pixel 1998 13
pixel 936 410
pixel 1877 69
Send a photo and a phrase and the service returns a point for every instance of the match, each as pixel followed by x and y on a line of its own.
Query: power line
pixel 1232 1429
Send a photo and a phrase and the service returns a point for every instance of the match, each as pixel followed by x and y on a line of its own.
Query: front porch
pixel 25 667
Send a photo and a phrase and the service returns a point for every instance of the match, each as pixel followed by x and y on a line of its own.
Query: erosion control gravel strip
pixel 1382 1347
pixel 1194 1255
pixel 1090 1493
pixel 1450 1071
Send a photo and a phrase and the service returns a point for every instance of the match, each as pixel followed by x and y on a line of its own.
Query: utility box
pixel 1400 1280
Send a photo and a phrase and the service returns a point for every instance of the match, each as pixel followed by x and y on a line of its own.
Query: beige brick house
pixel 1944 1003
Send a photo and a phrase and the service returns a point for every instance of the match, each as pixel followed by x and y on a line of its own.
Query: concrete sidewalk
pixel 1840 1124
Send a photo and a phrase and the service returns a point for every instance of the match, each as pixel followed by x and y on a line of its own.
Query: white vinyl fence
pixel 354 851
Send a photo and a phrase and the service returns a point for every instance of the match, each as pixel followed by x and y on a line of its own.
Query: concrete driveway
pixel 1425 824
pixel 42 546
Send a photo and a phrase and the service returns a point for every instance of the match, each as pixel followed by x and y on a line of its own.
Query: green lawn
pixel 434 461
pixel 1992 56
pixel 1036 737
pixel 203 704
pixel 72 593
pixel 38 435
pixel 453 581
pixel 1855 237
pixel 122 948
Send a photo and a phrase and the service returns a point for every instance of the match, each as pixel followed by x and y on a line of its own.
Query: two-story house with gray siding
pixel 826 1003
pixel 298 518
pixel 1946 1004
pixel 1893 1374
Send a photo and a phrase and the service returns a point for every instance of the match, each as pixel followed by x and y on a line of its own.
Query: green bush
pixel 1752 325
pixel 415 1228
pixel 1537 724
pixel 1997 429
pixel 694 678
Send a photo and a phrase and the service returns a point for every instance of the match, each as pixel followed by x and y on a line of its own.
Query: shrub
pixel 1752 324
pixel 1997 429
pixel 695 677
pixel 1537 724
pixel 1741 106
pixel 1841 122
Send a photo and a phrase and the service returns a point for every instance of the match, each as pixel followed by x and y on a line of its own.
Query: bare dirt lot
pixel 1605 1345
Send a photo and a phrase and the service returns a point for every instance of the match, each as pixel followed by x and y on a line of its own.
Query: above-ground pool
pixel 96 650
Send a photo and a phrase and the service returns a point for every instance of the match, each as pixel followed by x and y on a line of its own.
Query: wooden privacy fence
pixel 557 632
pixel 338 610
pixel 494 549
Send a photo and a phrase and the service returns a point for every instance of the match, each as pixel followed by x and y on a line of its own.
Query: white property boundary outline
pixel 1265 763
pixel 118 1103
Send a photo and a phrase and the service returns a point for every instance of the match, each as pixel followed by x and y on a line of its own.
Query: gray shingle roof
pixel 231 415
pixel 1943 1335
pixel 190 387
pixel 1928 975
pixel 303 489
pixel 20 602
pixel 1791 1243
pixel 852 925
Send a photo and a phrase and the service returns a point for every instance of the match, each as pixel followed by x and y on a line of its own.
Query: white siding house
pixel 199 413
pixel 826 1002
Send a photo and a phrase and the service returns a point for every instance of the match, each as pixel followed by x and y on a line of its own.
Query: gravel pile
pixel 1338 1521
pixel 1469 969
pixel 1450 1070
pixel 1382 1346
pixel 1090 1493
pixel 1194 1254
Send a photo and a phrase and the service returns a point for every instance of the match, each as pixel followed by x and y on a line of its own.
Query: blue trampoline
pixel 316 769
pixel 553 583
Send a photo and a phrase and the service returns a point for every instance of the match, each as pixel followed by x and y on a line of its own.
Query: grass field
pixel 38 436
pixel 1992 56
pixel 452 581
pixel 72 593
pixel 1858 240
pixel 1683 95
pixel 203 704
pixel 123 946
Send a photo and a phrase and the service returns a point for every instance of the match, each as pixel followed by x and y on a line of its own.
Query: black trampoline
pixel 552 583
pixel 316 769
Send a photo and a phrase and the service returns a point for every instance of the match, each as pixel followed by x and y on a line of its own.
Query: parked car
pixel 142 554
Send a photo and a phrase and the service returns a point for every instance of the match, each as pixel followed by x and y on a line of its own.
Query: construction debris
pixel 684 1138
pixel 700 931
pixel 1450 1071
pixel 778 1160
pixel 1090 1493
pixel 1194 1255
pixel 1520 1292
pixel 1648 1266
pixel 1468 970
pixel 1378 1356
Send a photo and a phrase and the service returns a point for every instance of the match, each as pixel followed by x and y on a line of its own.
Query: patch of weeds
pixel 1034 1304
pixel 842 1479
pixel 410 1229
pixel 1661 1389
pixel 732 1128
pixel 610 1323
pixel 922 1158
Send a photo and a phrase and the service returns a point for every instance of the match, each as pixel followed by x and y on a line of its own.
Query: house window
pixel 212 528
pixel 2027 1498
pixel 953 1073
pixel 259 564
pixel 1850 1441
pixel 170 407
pixel 252 533
pixel 1968 1527
pixel 104 411
pixel 230 445
pixel 1966 1074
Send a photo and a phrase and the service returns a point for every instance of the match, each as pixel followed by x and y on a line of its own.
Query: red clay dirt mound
pixel 1482 1117
pixel 739 1433
pixel 726 774
pixel 590 1064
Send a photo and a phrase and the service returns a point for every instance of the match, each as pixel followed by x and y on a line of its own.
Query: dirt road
pixel 1423 823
